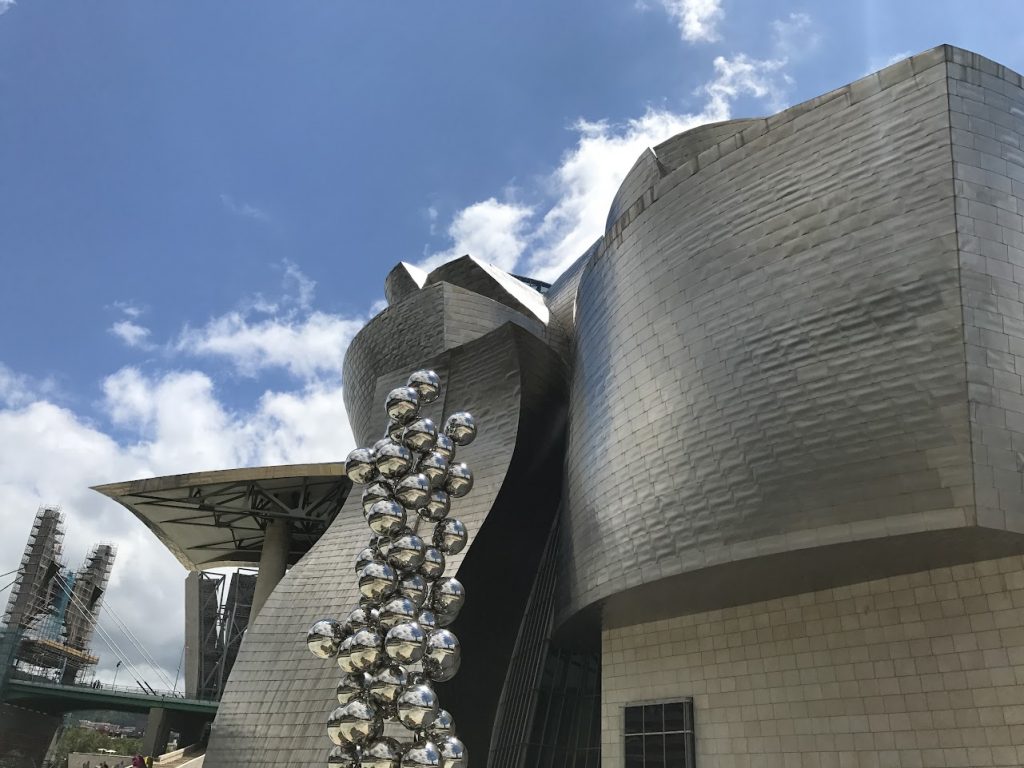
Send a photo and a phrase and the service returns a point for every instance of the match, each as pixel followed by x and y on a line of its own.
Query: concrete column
pixel 158 730
pixel 273 563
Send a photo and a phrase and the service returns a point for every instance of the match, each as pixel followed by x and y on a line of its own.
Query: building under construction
pixel 53 610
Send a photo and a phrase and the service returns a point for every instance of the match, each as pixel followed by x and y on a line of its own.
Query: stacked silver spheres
pixel 394 645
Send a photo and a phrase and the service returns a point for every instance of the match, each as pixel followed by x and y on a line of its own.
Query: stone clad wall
pixel 912 671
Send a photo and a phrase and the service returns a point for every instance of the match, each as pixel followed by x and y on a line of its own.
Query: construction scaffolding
pixel 52 610
pixel 217 612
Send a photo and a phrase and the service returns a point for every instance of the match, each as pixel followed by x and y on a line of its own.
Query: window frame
pixel 689 748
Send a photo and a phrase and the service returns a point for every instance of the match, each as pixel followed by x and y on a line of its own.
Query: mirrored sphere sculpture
pixel 405 643
pixel 420 435
pixel 392 646
pixel 435 466
pixel 360 465
pixel 402 404
pixel 425 755
pixel 459 480
pixel 417 706
pixel 324 637
pixel 377 581
pixel 426 383
pixel 461 428
pixel 443 655
pixel 437 505
pixel 413 490
pixel 358 722
pixel 388 684
pixel 386 517
pixel 393 460
pixel 343 756
pixel 450 536
pixel 432 566
pixel 453 753
pixel 381 753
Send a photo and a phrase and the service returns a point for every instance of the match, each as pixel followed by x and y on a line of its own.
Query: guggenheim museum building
pixel 749 474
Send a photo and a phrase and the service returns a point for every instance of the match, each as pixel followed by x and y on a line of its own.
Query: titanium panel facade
pixel 791 364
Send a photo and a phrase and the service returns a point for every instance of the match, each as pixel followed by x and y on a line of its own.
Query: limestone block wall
pixel 915 671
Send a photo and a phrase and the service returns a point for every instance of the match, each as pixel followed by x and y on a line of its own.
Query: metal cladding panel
pixel 275 704
pixel 986 104
pixel 769 347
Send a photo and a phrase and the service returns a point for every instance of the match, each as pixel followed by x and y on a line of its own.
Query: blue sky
pixel 199 201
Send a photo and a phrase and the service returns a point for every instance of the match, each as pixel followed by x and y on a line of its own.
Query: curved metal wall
pixel 769 349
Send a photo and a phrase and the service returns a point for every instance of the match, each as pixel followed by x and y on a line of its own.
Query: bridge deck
pixel 52 697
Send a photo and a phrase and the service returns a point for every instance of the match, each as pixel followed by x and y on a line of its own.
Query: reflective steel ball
pixel 387 685
pixel 447 596
pixel 417 706
pixel 343 756
pixel 414 587
pixel 420 435
pixel 358 722
pixel 397 610
pixel 450 536
pixel 427 619
pixel 352 685
pixel 402 404
pixel 393 460
pixel 435 466
pixel 460 427
pixel 423 755
pixel 334 725
pixel 445 446
pixel 360 466
pixel 443 656
pixel 366 650
pixel 366 556
pixel 406 552
pixel 459 480
pixel 453 753
pixel 395 431
pixel 377 581
pixel 427 385
pixel 359 618
pixel 437 505
pixel 433 563
pixel 344 658
pixel 386 517
pixel 413 490
pixel 442 726
pixel 324 637
pixel 382 752
pixel 378 490
pixel 405 643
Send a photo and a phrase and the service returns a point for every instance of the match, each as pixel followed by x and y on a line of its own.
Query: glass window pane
pixel 634 752
pixel 675 750
pixel 675 717
pixel 634 720
pixel 652 719
pixel 654 751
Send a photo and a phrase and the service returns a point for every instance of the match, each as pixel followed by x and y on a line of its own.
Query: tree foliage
pixel 88 740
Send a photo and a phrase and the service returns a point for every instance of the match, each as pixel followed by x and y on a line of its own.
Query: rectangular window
pixel 660 735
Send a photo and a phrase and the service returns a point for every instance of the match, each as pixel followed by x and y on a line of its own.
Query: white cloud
pixel 697 19
pixel 131 333
pixel 242 208
pixel 542 240
pixel 305 347
pixel 795 36
pixel 490 230
pixel 6 5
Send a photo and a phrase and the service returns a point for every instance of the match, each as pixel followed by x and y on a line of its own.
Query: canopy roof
pixel 211 519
